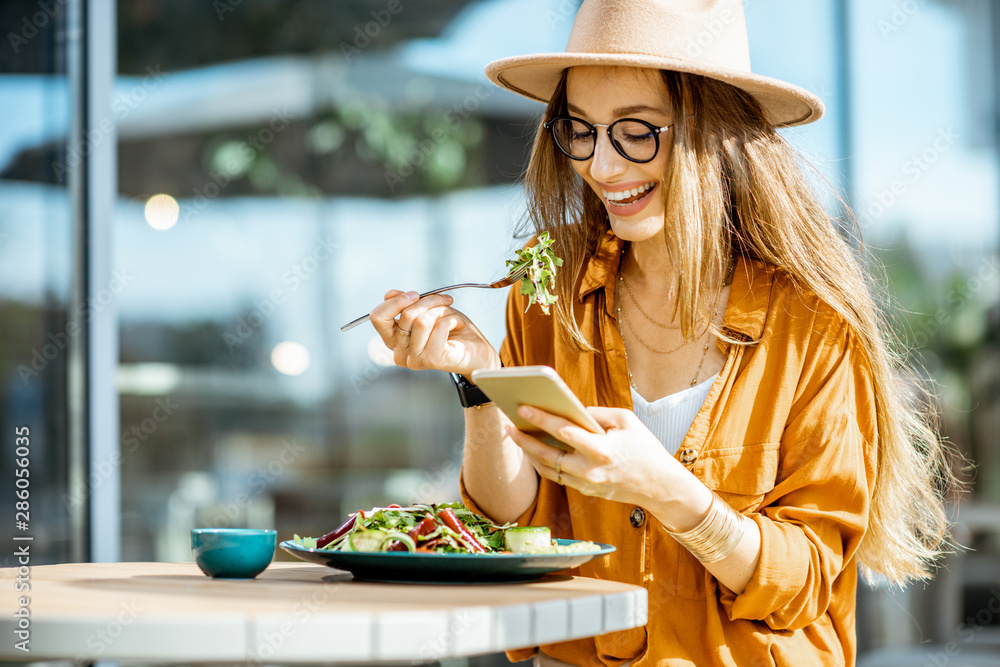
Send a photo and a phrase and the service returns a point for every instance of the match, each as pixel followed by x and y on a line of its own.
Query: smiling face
pixel 631 191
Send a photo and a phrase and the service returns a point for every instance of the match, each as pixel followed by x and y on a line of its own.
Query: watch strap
pixel 469 395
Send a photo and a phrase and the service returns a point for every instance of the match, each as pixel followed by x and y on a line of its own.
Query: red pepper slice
pixel 425 527
pixel 337 533
pixel 450 520
pixel 429 545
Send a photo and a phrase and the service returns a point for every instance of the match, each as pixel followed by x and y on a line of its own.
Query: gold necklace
pixel 621 315
pixel 639 306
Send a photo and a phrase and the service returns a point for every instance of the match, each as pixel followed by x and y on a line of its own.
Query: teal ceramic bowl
pixel 233 553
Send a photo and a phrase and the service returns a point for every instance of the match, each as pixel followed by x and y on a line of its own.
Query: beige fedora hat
pixel 706 37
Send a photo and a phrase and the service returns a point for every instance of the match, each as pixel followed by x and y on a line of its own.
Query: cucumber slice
pixel 407 541
pixel 366 540
pixel 527 539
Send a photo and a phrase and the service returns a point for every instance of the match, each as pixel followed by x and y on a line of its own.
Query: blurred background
pixel 188 216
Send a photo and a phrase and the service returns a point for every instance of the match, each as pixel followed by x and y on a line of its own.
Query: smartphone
pixel 537 386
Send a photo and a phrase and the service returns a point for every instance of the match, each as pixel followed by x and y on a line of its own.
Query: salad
pixel 540 280
pixel 440 528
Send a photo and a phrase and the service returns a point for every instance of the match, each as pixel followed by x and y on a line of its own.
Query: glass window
pixel 276 179
pixel 926 160
pixel 35 275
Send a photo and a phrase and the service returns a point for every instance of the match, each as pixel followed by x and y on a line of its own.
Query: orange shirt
pixel 786 436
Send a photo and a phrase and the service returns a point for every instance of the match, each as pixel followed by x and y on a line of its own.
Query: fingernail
pixel 507 429
pixel 412 296
pixel 525 411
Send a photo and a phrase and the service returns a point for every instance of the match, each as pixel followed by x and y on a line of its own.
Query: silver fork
pixel 506 281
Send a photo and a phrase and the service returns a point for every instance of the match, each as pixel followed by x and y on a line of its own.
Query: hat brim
pixel 536 76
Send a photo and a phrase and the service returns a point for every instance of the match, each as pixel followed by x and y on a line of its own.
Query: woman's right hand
pixel 428 334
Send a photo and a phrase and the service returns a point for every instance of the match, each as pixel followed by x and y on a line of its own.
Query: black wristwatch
pixel 469 395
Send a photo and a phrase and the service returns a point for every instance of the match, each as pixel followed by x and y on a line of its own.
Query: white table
pixel 296 612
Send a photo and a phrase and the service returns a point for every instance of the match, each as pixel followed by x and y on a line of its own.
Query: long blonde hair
pixel 734 186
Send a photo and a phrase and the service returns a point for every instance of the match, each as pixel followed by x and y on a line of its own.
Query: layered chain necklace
pixel 623 316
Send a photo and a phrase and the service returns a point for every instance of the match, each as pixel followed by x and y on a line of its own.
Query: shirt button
pixel 688 457
pixel 638 517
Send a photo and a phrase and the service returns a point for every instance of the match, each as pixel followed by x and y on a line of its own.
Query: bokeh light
pixel 148 379
pixel 162 212
pixel 290 358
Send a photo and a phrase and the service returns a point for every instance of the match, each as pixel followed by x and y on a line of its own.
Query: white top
pixel 670 417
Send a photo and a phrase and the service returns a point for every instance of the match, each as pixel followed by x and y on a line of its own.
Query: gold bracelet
pixel 717 535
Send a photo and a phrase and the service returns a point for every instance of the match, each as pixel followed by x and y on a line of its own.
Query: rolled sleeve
pixel 813 521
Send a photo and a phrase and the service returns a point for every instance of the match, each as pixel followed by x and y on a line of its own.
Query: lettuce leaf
pixel 540 281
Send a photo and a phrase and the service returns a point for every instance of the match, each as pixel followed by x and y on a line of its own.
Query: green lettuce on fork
pixel 540 281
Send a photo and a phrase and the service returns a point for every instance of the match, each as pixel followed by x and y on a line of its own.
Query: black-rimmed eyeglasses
pixel 634 139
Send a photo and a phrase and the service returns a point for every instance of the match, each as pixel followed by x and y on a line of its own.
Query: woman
pixel 758 447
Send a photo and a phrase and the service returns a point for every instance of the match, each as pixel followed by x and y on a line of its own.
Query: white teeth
pixel 625 194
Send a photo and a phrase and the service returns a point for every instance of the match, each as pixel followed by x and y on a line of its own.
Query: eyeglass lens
pixel 633 139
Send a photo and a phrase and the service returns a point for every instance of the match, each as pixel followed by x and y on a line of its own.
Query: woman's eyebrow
pixel 621 111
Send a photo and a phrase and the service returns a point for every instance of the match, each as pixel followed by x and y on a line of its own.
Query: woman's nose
pixel 606 162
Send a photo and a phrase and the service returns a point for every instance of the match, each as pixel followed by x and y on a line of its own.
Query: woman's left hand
pixel 626 464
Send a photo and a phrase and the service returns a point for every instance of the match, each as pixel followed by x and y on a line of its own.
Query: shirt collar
pixel 749 296
pixel 601 268
pixel 749 299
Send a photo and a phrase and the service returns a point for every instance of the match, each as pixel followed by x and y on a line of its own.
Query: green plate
pixel 420 568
